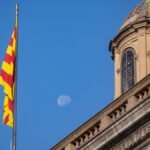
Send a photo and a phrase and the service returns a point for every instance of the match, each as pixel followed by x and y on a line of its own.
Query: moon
pixel 63 100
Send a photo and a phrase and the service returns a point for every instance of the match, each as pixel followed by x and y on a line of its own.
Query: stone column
pixel 117 73
pixel 142 52
pixel 137 67
pixel 148 50
pixel 148 62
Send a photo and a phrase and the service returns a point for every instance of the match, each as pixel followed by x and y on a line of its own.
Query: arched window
pixel 127 69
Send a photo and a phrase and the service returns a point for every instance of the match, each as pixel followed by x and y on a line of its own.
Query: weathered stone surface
pixel 126 133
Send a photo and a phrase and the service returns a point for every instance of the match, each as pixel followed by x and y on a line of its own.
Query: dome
pixel 140 11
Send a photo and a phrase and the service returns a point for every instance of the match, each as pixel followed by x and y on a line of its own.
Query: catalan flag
pixel 7 79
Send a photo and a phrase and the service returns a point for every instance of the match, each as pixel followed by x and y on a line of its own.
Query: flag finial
pixel 17 8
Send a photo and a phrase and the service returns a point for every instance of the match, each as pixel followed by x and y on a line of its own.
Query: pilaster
pixel 142 52
pixel 117 73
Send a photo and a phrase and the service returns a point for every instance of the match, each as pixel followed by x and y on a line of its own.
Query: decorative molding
pixel 122 129
pixel 136 57
pixel 135 139
pixel 140 28
pixel 118 112
pixel 148 53
pixel 118 70
pixel 88 135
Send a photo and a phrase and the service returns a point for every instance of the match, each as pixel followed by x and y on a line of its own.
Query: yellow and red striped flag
pixel 7 79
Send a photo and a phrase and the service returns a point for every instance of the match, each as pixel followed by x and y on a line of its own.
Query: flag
pixel 7 80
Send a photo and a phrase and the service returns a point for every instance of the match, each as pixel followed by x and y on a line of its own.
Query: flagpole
pixel 14 134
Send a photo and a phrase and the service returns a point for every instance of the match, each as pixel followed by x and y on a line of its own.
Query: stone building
pixel 125 123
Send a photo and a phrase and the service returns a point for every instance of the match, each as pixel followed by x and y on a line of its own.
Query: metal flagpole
pixel 10 145
pixel 14 134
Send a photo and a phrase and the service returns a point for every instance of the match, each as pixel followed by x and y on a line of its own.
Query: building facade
pixel 125 123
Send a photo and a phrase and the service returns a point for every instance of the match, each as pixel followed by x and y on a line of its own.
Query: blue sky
pixel 63 56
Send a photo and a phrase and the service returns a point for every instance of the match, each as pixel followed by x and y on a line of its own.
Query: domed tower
pixel 131 49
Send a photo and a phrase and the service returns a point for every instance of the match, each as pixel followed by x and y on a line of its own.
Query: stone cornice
pixel 118 130
pixel 131 28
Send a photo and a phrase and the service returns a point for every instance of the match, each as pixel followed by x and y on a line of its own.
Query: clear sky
pixel 65 72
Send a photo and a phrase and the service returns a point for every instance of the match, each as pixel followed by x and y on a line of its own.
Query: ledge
pixel 123 127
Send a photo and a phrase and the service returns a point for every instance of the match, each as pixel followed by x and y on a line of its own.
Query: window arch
pixel 127 69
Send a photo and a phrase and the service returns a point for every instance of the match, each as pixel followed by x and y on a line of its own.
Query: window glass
pixel 127 70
